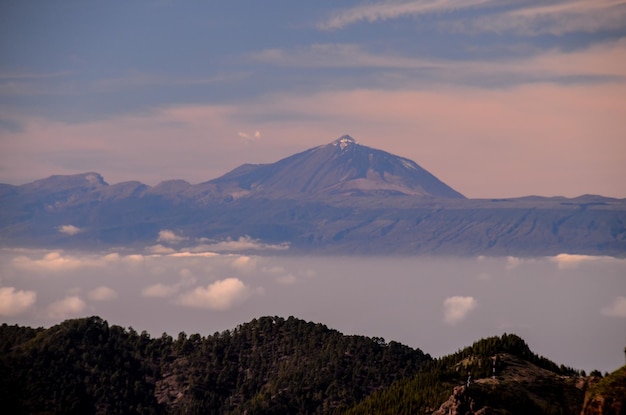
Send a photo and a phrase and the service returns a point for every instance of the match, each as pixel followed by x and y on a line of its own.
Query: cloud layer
pixel 208 291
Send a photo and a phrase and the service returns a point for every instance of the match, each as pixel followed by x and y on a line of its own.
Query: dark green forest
pixel 270 365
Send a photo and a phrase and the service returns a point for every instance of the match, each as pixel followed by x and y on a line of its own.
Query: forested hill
pixel 523 383
pixel 269 365
pixel 273 365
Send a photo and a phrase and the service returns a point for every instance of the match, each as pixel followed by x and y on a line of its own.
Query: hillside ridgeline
pixel 273 365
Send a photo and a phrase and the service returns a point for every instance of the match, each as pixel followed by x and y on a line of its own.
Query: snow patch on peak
pixel 94 179
pixel 344 141
pixel 408 164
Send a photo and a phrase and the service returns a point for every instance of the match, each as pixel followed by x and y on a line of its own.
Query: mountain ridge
pixel 282 365
pixel 335 198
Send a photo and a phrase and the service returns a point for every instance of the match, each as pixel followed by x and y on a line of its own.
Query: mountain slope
pixel 341 167
pixel 337 198
pixel 273 365
pixel 269 365
pixel 607 395
pixel 497 375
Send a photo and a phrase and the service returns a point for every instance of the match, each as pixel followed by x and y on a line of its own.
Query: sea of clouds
pixel 570 308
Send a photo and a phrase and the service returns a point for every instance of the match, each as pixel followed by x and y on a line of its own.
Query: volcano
pixel 342 167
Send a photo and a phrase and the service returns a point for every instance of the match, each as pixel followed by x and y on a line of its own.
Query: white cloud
pixel 53 261
pixel 70 306
pixel 186 254
pixel 569 261
pixel 69 229
pixel 102 293
pixel 512 262
pixel 244 263
pixel 617 308
pixel 14 302
pixel 220 295
pixel 249 137
pixel 160 290
pixel 170 237
pixel 58 261
pixel 457 308
pixel 244 243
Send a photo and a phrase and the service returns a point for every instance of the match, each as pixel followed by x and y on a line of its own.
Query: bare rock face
pixel 519 388
pixel 460 403
pixel 608 396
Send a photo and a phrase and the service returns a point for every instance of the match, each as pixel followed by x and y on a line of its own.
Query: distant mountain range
pixel 339 198
pixel 273 365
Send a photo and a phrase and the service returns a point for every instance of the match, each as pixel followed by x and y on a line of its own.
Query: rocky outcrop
pixel 460 403
pixel 519 388
pixel 608 396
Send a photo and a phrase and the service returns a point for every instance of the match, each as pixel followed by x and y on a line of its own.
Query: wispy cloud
pixel 249 137
pixel 606 59
pixel 160 290
pixel 69 229
pixel 14 302
pixel 571 132
pixel 555 18
pixel 243 243
pixel 340 55
pixel 394 9
pixel 159 249
pixel 457 308
pixel 617 308
pixel 33 75
pixel 102 293
pixel 558 19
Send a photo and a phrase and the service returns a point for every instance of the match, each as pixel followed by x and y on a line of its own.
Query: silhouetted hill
pixel 497 375
pixel 269 365
pixel 273 365
pixel 339 198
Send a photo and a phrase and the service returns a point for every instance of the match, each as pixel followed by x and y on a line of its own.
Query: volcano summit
pixel 341 167
pixel 341 197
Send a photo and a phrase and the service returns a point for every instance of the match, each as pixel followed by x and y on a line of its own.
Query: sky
pixel 568 308
pixel 496 98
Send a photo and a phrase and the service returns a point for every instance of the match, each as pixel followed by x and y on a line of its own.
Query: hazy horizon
pixel 496 100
